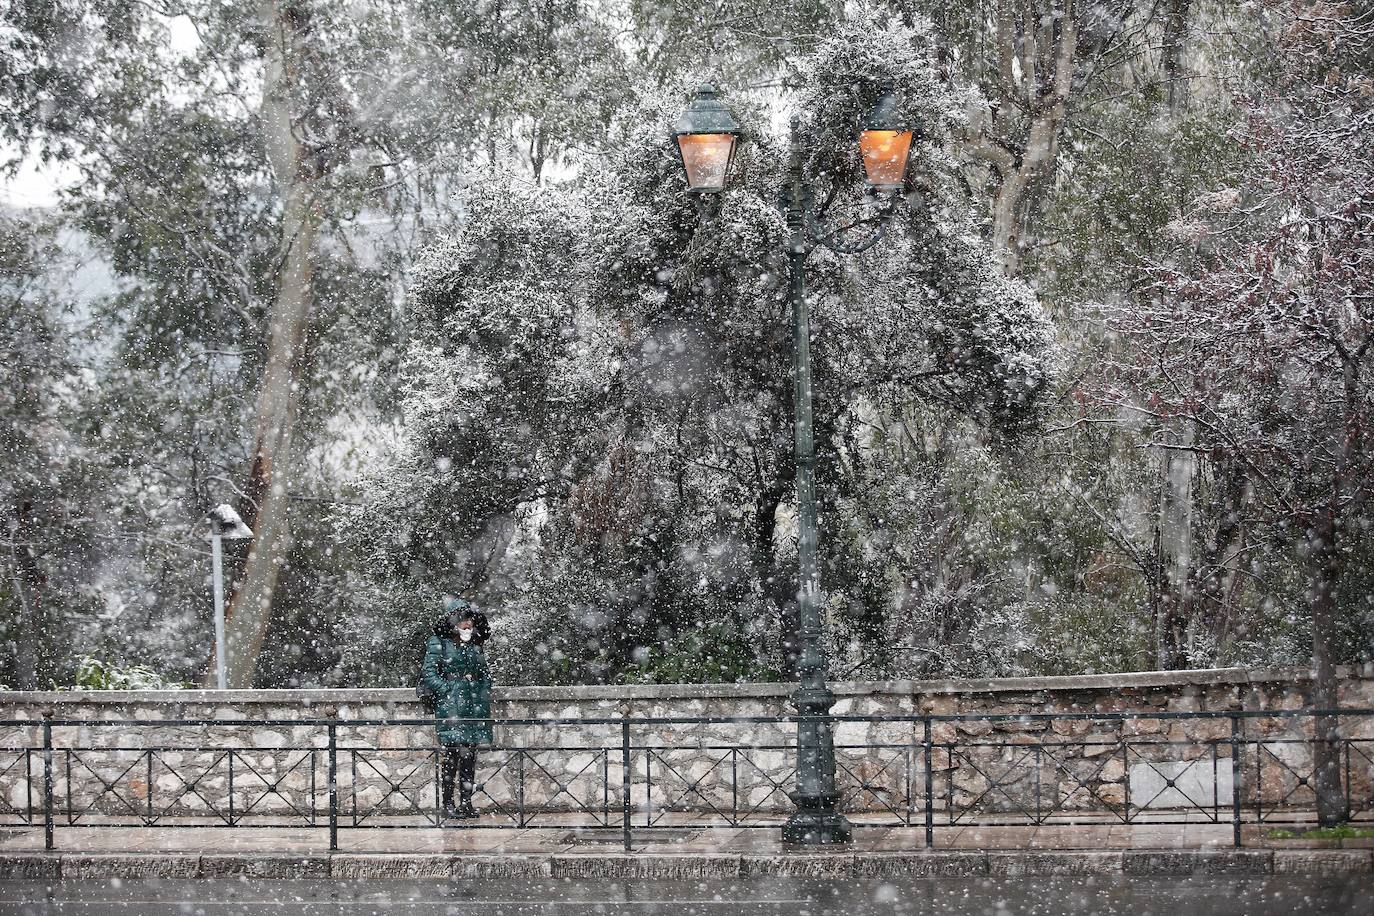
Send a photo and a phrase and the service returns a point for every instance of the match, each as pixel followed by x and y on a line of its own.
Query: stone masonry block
pixel 130 865
pixel 645 866
pixel 1236 862
pixel 1199 862
pixel 29 866
pixel 1035 863
pixel 821 865
pixel 934 864
pixel 502 866
pixel 388 866
pixel 251 866
pixel 1322 862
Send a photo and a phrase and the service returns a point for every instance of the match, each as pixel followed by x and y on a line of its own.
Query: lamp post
pixel 706 136
pixel 224 523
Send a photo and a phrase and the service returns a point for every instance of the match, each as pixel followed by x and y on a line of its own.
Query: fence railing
pixel 612 777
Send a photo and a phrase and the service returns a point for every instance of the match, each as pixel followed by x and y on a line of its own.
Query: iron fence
pixel 622 775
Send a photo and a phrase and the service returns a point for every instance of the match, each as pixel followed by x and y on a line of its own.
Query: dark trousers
pixel 457 760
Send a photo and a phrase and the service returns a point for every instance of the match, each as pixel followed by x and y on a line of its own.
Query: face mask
pixel 465 635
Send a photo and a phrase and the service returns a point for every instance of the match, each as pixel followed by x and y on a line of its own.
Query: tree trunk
pixel 1052 53
pixel 1175 35
pixel 1326 751
pixel 1177 469
pixel 1217 588
pixel 1325 574
pixel 298 170
pixel 27 581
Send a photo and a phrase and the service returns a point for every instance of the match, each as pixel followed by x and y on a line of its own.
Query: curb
pixel 678 866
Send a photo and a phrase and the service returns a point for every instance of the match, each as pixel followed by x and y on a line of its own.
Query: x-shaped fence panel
pixel 1283 776
pixel 1191 778
pixel 569 785
pixel 875 782
pixel 390 783
pixel 1000 779
pixel 692 779
pixel 189 786
pixel 765 776
pixel 106 782
pixel 283 784
pixel 1359 777
pixel 17 776
pixel 1083 783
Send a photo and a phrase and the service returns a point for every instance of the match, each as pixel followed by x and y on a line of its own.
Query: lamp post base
pixel 817 823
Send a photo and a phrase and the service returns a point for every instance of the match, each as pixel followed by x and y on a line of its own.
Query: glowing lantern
pixel 885 141
pixel 706 136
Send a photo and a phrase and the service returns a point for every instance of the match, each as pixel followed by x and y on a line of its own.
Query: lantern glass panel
pixel 706 158
pixel 885 153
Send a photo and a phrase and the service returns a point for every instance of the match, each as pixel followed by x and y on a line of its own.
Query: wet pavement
pixel 1079 896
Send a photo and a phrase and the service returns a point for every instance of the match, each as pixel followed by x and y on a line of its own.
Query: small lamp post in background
pixel 224 523
pixel 706 137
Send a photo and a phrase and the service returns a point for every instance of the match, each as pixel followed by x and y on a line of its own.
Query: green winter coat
pixel 458 676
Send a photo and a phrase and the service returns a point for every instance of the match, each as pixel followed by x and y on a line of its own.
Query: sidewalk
pixel 88 852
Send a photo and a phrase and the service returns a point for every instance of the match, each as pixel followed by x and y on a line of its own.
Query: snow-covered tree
pixel 52 502
pixel 597 441
pixel 1265 341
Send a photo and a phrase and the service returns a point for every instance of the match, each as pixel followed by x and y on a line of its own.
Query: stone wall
pixel 553 756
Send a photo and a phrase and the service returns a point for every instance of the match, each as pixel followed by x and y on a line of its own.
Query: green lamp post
pixel 706 137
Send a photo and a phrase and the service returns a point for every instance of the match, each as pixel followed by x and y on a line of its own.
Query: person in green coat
pixel 456 675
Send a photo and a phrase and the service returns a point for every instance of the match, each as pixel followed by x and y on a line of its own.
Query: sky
pixel 34 186
pixel 37 186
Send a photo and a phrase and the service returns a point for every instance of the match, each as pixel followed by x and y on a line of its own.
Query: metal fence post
pixel 333 788
pixel 149 819
pixel 734 786
pixel 520 755
pixel 1347 780
pixel 47 783
pixel 1235 780
pixel 625 782
pixel 930 782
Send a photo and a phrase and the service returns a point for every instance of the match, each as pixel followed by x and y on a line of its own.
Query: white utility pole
pixel 217 555
pixel 224 523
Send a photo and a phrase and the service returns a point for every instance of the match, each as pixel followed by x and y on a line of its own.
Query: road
pixel 1108 896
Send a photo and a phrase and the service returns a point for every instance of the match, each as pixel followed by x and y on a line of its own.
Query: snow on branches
pixel 1262 334
pixel 605 367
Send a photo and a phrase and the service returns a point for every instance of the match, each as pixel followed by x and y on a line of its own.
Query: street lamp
pixel 706 136
pixel 224 523
pixel 885 141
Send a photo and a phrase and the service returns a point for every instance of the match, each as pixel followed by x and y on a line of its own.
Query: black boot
pixel 467 778
pixel 465 809
pixel 448 770
pixel 447 811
